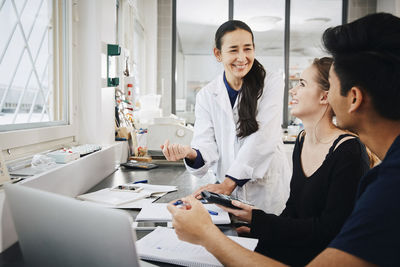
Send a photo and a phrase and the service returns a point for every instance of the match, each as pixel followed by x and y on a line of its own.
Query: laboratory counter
pixel 163 175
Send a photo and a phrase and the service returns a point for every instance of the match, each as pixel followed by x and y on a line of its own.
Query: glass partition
pixel 266 18
pixel 308 20
pixel 196 23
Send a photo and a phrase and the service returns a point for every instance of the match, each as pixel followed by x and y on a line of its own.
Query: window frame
pixel 37 134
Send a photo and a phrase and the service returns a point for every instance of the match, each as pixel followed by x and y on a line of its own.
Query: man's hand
pixel 192 225
pixel 174 152
pixel 226 188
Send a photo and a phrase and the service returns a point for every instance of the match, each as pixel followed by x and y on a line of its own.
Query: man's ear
pixel 217 54
pixel 355 97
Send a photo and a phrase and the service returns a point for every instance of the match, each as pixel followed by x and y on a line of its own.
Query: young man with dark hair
pixel 364 88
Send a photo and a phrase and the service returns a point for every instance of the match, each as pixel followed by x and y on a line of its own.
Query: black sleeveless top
pixel 317 207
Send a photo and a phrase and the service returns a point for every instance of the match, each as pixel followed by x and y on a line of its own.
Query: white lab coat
pixel 258 157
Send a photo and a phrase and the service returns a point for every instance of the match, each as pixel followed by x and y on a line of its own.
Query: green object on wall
pixel 112 50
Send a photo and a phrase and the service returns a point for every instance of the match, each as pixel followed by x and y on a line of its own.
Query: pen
pixel 178 202
pixel 141 182
pixel 212 212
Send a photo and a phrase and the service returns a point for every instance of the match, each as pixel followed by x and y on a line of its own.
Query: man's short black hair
pixel 366 54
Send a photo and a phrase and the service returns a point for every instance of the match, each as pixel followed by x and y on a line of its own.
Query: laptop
pixel 55 230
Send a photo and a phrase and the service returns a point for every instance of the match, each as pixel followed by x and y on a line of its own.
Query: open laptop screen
pixel 55 230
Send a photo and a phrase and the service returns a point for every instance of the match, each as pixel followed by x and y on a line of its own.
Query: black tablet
pixel 219 199
pixel 139 165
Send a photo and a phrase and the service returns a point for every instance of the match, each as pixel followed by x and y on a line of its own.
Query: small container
pixel 293 131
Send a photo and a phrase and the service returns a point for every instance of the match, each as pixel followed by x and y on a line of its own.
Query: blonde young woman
pixel 327 166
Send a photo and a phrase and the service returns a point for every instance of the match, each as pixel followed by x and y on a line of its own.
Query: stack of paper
pixel 158 212
pixel 163 245
pixel 110 197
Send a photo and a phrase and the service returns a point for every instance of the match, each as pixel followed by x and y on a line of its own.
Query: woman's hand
pixel 174 152
pixel 243 231
pixel 226 188
pixel 192 222
pixel 244 213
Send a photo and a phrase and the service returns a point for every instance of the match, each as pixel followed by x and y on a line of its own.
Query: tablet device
pixel 139 165
pixel 219 199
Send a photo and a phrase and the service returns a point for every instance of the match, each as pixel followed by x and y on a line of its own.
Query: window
pixel 269 20
pixel 35 52
pixel 195 62
pixel 33 72
pixel 308 21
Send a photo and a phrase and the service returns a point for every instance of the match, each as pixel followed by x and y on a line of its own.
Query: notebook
pixel 163 245
pixel 159 212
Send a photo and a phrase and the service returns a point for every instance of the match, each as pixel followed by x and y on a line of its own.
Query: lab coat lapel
pixel 235 110
pixel 222 99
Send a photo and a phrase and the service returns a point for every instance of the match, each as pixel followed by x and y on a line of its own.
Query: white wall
pixel 95 26
pixel 390 6
pixel 180 75
pixel 164 55
pixel 201 67
pixel 150 25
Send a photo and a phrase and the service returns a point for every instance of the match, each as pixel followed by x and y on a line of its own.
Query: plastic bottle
pixel 130 92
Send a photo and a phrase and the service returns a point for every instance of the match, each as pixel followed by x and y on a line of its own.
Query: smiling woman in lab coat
pixel 237 131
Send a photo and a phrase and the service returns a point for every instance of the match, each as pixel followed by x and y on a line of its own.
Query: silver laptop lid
pixel 55 230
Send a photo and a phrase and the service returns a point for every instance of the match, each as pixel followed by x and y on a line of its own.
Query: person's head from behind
pixel 235 49
pixel 364 77
pixel 309 96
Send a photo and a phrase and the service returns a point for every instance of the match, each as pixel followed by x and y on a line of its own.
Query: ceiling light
pixel 263 23
pixel 316 21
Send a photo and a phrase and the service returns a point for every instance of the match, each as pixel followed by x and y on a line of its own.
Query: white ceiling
pixel 197 22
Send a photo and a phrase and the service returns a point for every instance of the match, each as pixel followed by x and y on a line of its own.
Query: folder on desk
pixel 163 245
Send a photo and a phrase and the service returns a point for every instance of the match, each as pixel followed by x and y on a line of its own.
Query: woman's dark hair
pixel 253 83
pixel 366 55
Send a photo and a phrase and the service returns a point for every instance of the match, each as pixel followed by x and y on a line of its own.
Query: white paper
pixel 156 188
pixel 112 197
pixel 159 212
pixel 137 204
pixel 163 245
